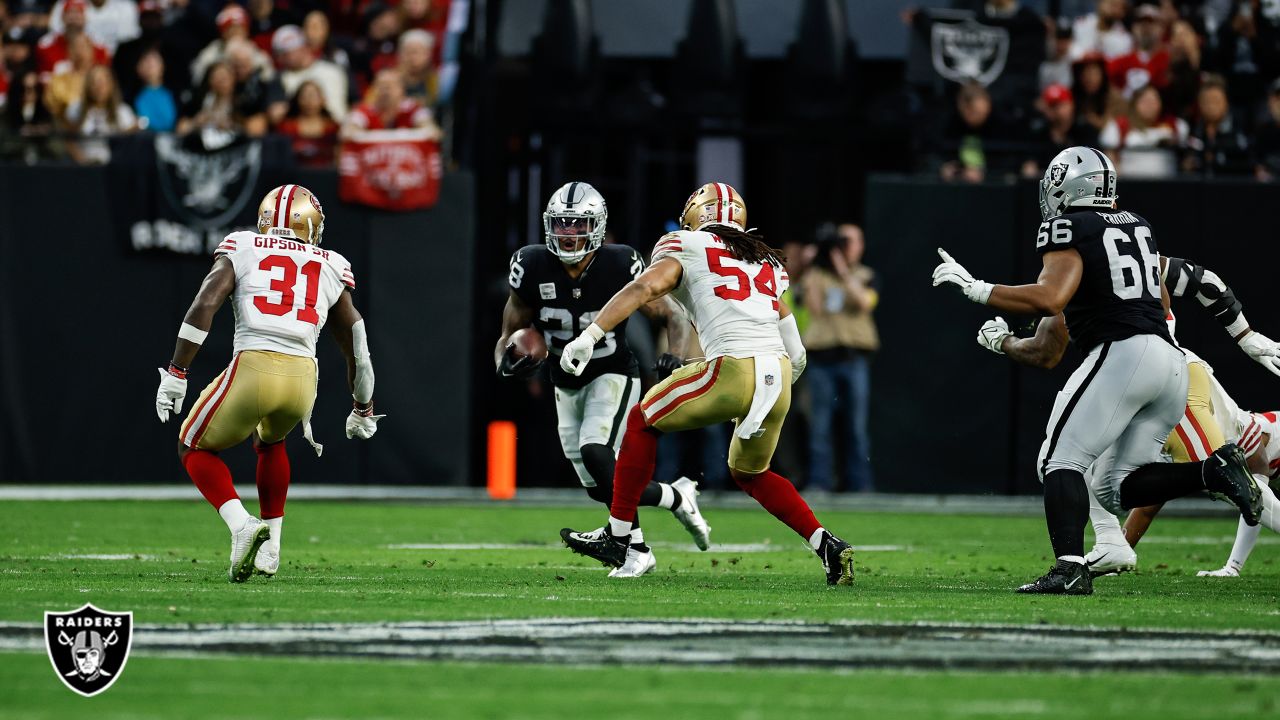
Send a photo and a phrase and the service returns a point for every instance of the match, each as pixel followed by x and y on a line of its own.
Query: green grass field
pixel 340 564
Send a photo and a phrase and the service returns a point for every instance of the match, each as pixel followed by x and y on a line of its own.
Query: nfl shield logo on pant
pixel 88 647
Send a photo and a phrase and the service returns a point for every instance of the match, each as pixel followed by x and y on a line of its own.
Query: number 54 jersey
pixel 1119 292
pixel 284 289
pixel 733 304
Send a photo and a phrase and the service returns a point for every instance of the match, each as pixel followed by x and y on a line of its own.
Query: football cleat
pixel 689 515
pixel 267 561
pixel 638 563
pixel 1227 477
pixel 1225 571
pixel 1064 578
pixel 245 544
pixel 1110 559
pixel 837 559
pixel 598 545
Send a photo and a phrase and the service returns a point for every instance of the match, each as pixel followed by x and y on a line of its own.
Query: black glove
pixel 666 364
pixel 519 368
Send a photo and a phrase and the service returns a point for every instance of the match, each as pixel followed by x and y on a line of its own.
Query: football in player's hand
pixel 529 343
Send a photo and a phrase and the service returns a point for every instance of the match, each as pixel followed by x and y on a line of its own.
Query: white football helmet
pixel 1077 177
pixel 574 222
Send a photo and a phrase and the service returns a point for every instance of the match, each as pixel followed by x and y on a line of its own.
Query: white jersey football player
pixel 283 287
pixel 729 281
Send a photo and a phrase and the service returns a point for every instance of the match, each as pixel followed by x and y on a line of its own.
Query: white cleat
pixel 245 543
pixel 1111 559
pixel 688 513
pixel 267 562
pixel 1226 571
pixel 637 564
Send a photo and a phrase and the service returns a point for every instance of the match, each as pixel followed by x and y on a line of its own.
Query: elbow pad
pixel 363 389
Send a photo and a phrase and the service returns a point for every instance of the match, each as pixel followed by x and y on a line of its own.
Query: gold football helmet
pixel 714 204
pixel 292 211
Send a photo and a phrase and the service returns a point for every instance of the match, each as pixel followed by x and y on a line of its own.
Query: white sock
pixel 233 514
pixel 1106 527
pixel 619 528
pixel 668 496
pixel 637 536
pixel 277 527
pixel 815 540
pixel 1072 558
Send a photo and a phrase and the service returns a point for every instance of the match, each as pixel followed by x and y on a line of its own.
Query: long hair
pixel 745 246
pixel 109 105
pixel 295 107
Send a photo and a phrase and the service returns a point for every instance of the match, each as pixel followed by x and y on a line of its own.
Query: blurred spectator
pixel 1056 69
pixel 19 49
pixel 298 64
pixel 1055 129
pixel 97 115
pixel 1184 69
pixel 153 37
pixel 315 28
pixel 1216 145
pixel 841 338
pixel 1245 51
pixel 971 143
pixel 29 14
pixel 53 52
pixel 1102 31
pixel 387 107
pixel 375 48
pixel 233 24
pixel 214 104
pixel 1266 139
pixel 260 99
pixel 429 15
pixel 154 104
pixel 1148 62
pixel 1096 101
pixel 264 19
pixel 68 84
pixel 1143 143
pixel 27 134
pixel 417 68
pixel 107 22
pixel 313 131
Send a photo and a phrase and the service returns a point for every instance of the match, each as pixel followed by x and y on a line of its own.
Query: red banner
pixel 390 169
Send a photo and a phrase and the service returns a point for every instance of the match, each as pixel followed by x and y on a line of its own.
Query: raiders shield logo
pixel 1057 173
pixel 207 188
pixel 88 647
pixel 968 51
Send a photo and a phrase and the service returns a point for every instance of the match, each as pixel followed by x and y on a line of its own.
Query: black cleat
pixel 837 559
pixel 1227 477
pixel 1064 578
pixel 598 545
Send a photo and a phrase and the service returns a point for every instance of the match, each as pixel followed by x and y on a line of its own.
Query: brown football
pixel 529 342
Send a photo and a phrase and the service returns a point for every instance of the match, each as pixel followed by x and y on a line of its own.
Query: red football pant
pixel 273 479
pixel 634 469
pixel 211 476
pixel 777 495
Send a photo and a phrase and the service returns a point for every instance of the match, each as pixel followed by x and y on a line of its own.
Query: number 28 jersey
pixel 1119 292
pixel 284 289
pixel 733 304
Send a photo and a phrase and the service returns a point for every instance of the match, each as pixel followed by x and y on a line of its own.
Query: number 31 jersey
pixel 1119 292
pixel 284 289
pixel 733 304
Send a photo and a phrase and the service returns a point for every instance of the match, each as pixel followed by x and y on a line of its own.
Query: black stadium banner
pixel 183 194
pixel 1002 53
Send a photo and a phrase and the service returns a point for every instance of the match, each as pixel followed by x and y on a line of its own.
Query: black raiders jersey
pixel 564 307
pixel 1119 292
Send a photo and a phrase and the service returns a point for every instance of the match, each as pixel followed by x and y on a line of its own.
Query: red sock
pixel 211 476
pixel 777 495
pixel 635 466
pixel 273 479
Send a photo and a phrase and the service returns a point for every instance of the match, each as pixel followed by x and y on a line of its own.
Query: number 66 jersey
pixel 284 289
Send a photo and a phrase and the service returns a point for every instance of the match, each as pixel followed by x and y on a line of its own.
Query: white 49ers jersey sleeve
pixel 284 289
pixel 733 304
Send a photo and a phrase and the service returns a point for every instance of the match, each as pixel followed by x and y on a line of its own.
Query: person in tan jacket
pixel 840 294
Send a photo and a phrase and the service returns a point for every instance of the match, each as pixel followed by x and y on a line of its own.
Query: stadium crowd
pixel 1166 87
pixel 77 71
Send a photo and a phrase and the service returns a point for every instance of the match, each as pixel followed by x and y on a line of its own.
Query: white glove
pixel 992 334
pixel 173 390
pixel 362 426
pixel 798 364
pixel 950 271
pixel 1262 349
pixel 576 355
